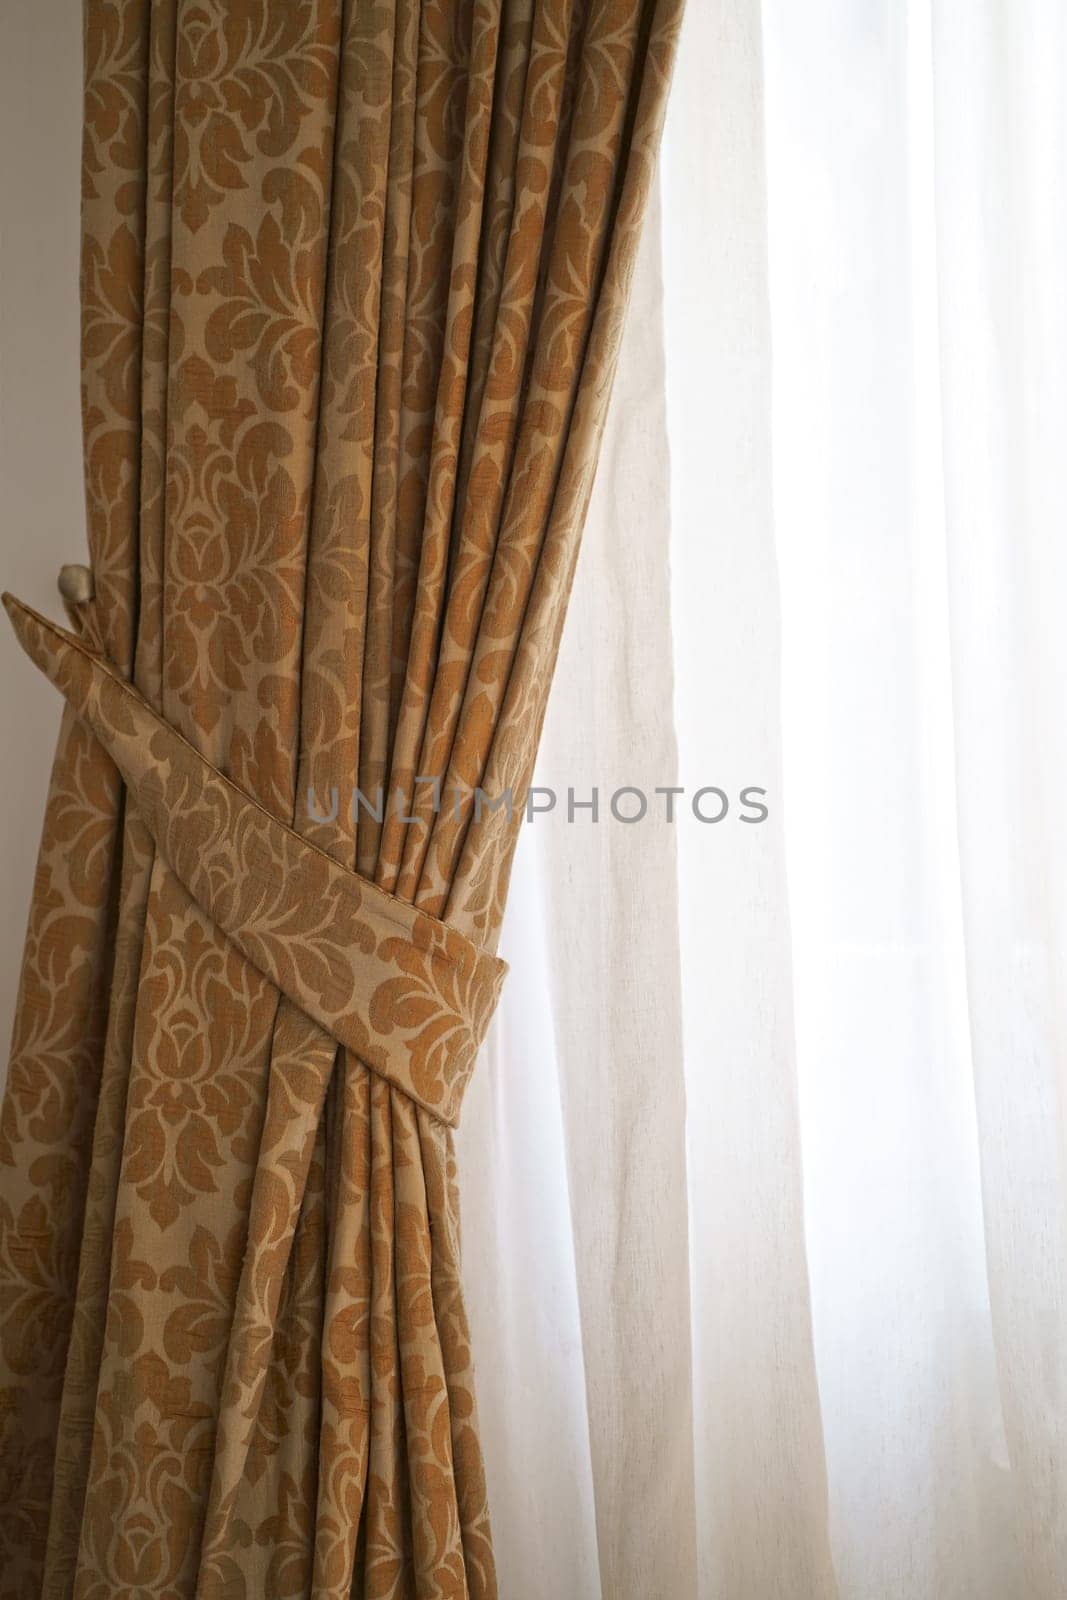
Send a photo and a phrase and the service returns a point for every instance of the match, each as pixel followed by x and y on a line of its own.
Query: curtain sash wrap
pixel 408 995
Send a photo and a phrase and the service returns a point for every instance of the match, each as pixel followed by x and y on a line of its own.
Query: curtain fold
pixel 352 285
pixel 576 1250
pixel 758 1441
pixel 877 1250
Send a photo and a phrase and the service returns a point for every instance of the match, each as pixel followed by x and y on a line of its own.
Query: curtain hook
pixel 76 584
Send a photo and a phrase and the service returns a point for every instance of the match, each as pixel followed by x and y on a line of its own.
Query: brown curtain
pixel 353 273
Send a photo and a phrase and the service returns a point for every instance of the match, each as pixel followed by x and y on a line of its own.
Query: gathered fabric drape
pixel 353 277
pixel 868 571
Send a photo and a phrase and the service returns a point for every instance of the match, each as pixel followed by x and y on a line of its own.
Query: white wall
pixel 41 504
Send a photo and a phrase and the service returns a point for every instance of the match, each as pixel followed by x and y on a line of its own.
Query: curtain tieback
pixel 407 994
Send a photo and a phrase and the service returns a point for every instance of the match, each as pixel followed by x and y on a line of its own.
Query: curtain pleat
pixel 352 284
pixel 585 1271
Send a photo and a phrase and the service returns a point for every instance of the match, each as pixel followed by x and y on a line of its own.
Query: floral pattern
pixel 352 284
pixel 409 995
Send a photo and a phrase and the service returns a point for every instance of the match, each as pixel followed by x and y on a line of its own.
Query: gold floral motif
pixel 352 281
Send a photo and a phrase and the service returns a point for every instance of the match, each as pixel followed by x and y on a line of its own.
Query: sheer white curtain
pixel 918 253
pixel 764 1175
pixel 852 1381
pixel 573 1138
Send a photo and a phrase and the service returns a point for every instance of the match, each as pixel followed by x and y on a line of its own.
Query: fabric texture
pixel 920 352
pixel 402 990
pixel 353 279
pixel 757 1438
pixel 873 979
pixel 576 1257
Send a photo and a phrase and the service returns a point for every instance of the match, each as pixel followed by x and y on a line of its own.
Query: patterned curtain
pixel 353 273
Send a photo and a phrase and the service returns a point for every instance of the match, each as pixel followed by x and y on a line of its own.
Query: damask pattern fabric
pixel 353 277
pixel 403 990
